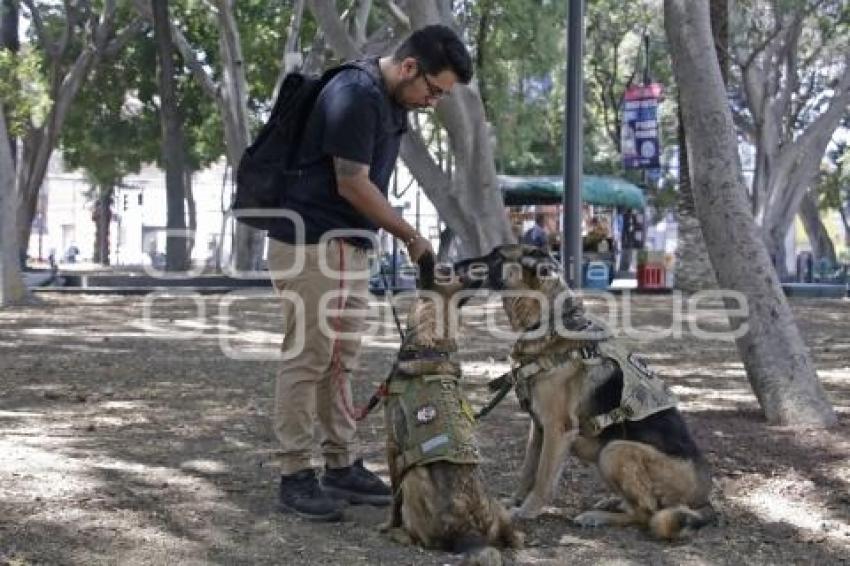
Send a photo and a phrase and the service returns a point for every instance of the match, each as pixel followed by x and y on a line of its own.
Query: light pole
pixel 571 236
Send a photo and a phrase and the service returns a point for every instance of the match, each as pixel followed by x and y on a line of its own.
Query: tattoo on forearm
pixel 346 168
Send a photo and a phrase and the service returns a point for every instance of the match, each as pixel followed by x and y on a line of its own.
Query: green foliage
pixel 110 131
pixel 521 65
pixel 833 186
pixel 519 57
pixel 23 90
pixel 113 127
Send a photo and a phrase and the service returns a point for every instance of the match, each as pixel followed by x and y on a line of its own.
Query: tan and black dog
pixel 439 496
pixel 588 396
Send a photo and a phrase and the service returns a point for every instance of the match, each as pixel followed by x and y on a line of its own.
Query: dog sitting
pixel 587 395
pixel 439 496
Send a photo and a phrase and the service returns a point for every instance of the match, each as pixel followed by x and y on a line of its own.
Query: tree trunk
pixel 12 288
pixel 9 33
pixel 172 142
pixel 822 246
pixel 778 364
pixel 102 218
pixel 234 92
pixel 292 57
pixel 694 271
pixel 192 212
pixel 790 143
pixel 99 39
pixel 231 98
pixel 9 40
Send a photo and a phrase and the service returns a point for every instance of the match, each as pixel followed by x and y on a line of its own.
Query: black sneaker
pixel 301 494
pixel 356 484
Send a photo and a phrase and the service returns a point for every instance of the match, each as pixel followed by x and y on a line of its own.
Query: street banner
pixel 639 135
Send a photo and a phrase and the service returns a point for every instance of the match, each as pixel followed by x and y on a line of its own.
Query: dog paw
pixel 399 535
pixel 523 512
pixel 591 519
pixel 612 504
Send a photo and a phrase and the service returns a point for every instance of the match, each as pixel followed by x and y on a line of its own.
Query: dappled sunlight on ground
pixel 129 437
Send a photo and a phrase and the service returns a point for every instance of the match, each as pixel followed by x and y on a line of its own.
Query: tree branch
pixel 397 14
pixel 123 37
pixel 744 123
pixel 380 42
pixel 105 25
pixel 40 31
pixel 204 78
pixel 361 18
pixel 62 42
pixel 292 58
pixel 335 34
pixel 315 59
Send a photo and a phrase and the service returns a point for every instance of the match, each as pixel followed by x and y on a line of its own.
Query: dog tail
pixel 476 551
pixel 672 522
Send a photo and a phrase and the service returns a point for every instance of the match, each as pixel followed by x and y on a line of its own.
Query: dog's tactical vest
pixel 431 418
pixel 644 393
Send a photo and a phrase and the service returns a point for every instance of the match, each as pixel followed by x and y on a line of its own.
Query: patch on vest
pixel 434 443
pixel 425 414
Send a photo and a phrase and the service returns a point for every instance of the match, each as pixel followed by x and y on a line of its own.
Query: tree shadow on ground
pixel 141 449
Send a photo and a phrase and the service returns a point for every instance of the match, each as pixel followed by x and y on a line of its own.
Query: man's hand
pixel 417 247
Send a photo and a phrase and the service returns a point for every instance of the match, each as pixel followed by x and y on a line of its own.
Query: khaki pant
pixel 310 388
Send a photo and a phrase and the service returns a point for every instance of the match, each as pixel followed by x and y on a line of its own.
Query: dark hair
pixel 437 48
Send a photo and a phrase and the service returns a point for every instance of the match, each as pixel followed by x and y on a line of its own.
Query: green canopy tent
pixel 596 189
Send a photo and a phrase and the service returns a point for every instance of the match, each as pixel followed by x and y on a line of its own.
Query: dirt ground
pixel 132 433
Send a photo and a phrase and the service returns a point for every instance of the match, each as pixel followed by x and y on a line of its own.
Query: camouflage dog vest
pixel 644 393
pixel 431 419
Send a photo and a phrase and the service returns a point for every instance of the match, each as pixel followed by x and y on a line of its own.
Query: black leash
pixel 383 389
pixel 502 385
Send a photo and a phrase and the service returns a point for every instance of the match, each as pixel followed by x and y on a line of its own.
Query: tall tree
pixel 72 39
pixel 778 363
pixel 793 63
pixel 833 187
pixel 694 271
pixel 172 141
pixel 519 70
pixel 10 42
pixel 819 239
pixel 114 125
pixel 107 136
pixel 221 72
pixel 12 289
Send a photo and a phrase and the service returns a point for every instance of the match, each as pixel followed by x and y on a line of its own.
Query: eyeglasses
pixel 434 91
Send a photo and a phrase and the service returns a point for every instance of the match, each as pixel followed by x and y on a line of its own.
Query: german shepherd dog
pixel 651 462
pixel 440 504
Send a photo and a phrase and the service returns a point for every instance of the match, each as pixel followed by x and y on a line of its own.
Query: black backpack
pixel 268 167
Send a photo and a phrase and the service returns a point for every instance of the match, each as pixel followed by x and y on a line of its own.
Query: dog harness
pixel 644 393
pixel 431 419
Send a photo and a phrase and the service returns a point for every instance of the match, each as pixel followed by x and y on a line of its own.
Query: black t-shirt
pixel 354 119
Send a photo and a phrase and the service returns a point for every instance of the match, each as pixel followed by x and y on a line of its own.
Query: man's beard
pixel 397 95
